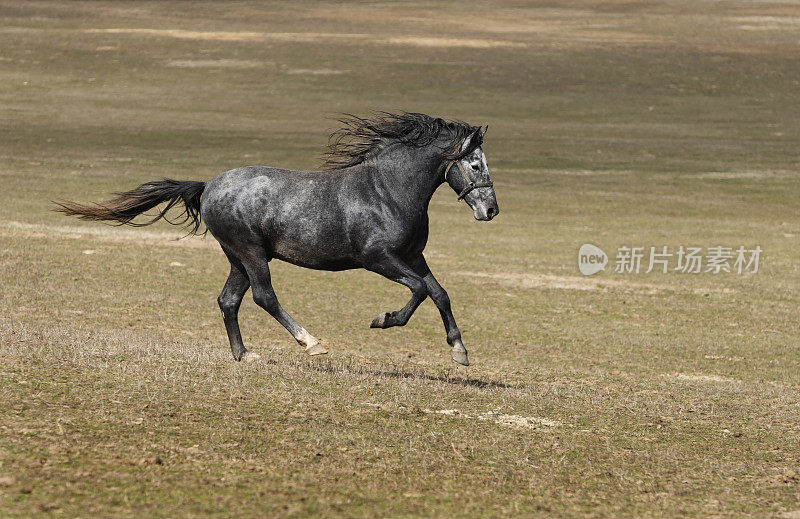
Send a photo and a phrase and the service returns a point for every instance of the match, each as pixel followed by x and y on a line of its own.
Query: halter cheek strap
pixel 470 184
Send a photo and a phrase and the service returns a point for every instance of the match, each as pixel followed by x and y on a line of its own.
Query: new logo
pixel 591 259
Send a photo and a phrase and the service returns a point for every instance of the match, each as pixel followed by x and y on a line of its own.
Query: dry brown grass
pixel 651 123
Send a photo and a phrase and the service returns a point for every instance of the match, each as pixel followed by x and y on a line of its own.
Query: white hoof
pixel 313 347
pixel 317 349
pixel 459 353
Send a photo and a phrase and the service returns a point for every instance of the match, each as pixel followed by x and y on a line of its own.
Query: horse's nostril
pixel 491 212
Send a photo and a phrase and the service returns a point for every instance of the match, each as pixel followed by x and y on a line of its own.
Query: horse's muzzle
pixel 485 214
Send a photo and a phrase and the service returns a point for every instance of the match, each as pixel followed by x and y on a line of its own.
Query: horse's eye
pixel 475 167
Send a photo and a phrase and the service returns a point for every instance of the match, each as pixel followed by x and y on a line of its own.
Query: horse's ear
pixel 474 137
pixel 482 131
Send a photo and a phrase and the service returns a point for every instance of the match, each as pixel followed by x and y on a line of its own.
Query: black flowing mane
pixel 360 137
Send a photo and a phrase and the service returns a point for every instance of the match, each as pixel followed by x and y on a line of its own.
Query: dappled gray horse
pixel 368 210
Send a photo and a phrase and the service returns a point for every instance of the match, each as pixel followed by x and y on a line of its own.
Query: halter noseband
pixel 470 184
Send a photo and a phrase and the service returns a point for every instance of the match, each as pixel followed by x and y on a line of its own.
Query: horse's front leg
pixel 394 268
pixel 442 301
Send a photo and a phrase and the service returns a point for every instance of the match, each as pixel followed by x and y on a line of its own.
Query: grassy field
pixel 613 123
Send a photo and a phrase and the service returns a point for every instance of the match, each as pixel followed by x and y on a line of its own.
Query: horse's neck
pixel 411 174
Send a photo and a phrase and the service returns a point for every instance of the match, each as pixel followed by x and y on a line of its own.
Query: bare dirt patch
pixel 432 41
pixel 768 22
pixel 231 35
pixel 451 42
pixel 700 377
pixel 564 25
pixel 746 174
pixel 507 420
pixel 549 281
pixel 216 63
pixel 314 71
pixel 723 357
pixel 11 228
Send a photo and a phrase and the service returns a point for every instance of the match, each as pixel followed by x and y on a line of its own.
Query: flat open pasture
pixel 661 123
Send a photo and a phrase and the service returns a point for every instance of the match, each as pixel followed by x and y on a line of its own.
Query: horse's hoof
pixel 379 321
pixel 459 354
pixel 316 349
pixel 249 356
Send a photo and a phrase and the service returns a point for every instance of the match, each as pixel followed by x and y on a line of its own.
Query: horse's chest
pixel 411 240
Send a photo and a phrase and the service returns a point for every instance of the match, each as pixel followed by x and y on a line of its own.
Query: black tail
pixel 130 204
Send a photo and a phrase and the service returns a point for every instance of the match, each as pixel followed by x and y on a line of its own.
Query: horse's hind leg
pixel 229 301
pixel 264 296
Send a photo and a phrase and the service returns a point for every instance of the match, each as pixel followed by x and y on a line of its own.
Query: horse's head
pixel 469 177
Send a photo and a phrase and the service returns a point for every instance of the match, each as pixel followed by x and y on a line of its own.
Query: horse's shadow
pixel 459 381
pixel 397 372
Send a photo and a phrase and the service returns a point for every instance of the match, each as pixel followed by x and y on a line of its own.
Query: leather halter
pixel 470 184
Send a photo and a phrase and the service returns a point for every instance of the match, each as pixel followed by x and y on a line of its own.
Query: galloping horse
pixel 368 209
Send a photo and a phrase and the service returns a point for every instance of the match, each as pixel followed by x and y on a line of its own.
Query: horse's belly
pixel 316 250
pixel 320 263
